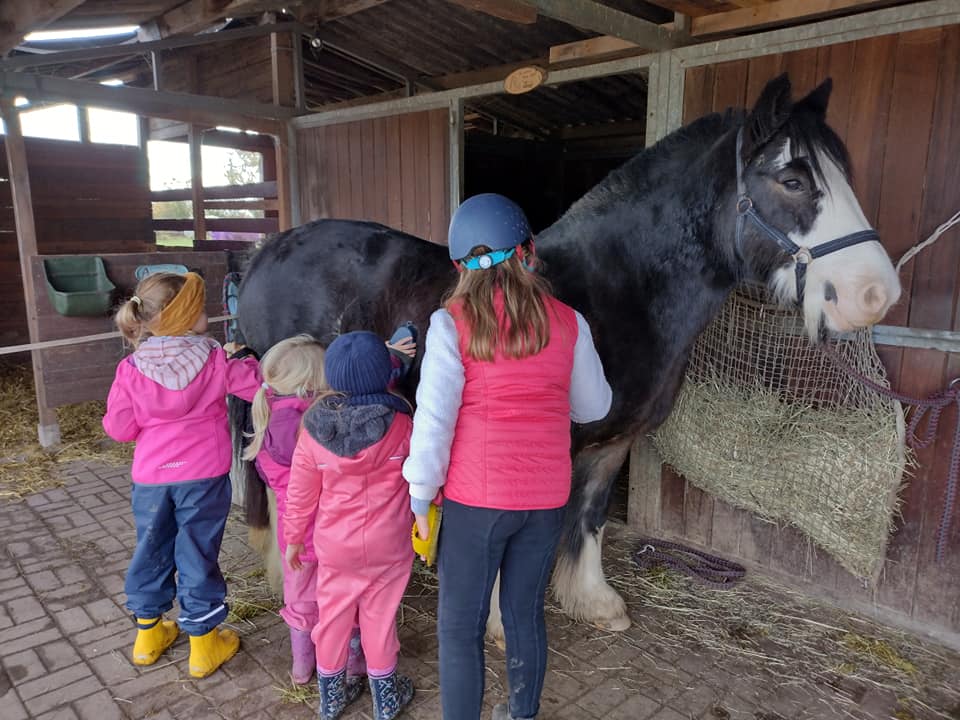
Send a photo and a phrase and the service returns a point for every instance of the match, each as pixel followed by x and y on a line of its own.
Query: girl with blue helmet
pixel 506 368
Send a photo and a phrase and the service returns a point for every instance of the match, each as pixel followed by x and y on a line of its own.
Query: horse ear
pixel 769 114
pixel 818 99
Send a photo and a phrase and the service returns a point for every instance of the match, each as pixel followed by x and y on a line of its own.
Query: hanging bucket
pixel 78 285
pixel 144 270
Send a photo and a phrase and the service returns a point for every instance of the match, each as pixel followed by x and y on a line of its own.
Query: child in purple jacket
pixel 170 397
pixel 292 375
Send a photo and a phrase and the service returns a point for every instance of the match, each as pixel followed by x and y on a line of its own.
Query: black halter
pixel 802 256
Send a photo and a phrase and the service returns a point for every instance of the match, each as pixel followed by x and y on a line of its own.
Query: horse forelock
pixel 813 139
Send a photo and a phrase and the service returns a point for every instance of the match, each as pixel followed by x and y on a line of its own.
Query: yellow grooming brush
pixel 428 548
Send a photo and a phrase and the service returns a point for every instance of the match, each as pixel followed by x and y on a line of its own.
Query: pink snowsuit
pixel 362 524
pixel 273 464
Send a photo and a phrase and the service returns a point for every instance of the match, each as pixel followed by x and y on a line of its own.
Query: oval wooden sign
pixel 524 79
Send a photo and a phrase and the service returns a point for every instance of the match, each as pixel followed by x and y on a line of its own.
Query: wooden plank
pixel 241 204
pixel 283 201
pixel 368 173
pixel 779 12
pixel 239 225
pixel 692 8
pixel 199 109
pixel 281 68
pixel 408 173
pixel 934 292
pixel 643 498
pixel 605 20
pixel 19 175
pixel 355 172
pixel 381 178
pixel 837 62
pixel 802 67
pixel 392 150
pixel 327 10
pixel 439 217
pixel 342 143
pixel 195 15
pixel 20 17
pixel 423 167
pixel 510 10
pixel 219 192
pixel 912 95
pixel 671 504
pixel 697 92
pixel 604 46
pixel 195 139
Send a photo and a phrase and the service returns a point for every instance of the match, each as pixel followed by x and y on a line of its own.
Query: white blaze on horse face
pixel 864 282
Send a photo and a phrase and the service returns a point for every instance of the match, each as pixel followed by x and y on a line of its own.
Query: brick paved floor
pixel 64 639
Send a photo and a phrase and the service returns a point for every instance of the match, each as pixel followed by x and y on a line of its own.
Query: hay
pixel 765 422
pixel 760 630
pixel 250 595
pixel 26 467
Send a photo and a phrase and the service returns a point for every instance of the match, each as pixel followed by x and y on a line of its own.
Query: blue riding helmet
pixel 491 220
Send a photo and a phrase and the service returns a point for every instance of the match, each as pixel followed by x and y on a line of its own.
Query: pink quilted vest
pixel 511 447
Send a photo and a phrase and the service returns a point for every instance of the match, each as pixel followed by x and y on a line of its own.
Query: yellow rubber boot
pixel 210 651
pixel 153 637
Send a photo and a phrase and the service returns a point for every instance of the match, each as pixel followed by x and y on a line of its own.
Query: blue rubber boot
pixel 391 694
pixel 336 693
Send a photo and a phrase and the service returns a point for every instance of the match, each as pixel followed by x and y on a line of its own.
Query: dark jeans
pixel 475 544
pixel 179 528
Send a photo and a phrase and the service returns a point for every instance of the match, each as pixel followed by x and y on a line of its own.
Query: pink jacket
pixel 276 454
pixel 511 446
pixel 359 504
pixel 181 435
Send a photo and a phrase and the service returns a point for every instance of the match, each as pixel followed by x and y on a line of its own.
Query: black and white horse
pixel 648 256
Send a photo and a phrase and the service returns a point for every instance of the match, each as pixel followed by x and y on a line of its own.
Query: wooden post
pixel 83 123
pixel 284 195
pixel 643 500
pixel 282 69
pixel 48 430
pixel 196 185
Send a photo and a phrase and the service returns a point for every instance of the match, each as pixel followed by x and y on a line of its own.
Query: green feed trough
pixel 78 285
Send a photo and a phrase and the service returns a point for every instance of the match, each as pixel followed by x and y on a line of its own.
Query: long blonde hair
pixel 293 366
pixel 525 329
pixel 153 293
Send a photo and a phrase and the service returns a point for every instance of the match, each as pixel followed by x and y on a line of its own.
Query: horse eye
pixel 793 185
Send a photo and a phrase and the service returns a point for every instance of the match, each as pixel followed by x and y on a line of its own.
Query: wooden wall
pixel 392 170
pixel 87 198
pixel 239 70
pixel 896 103
pixel 83 372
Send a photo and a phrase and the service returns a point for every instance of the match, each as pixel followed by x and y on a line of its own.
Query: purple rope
pixel 934 405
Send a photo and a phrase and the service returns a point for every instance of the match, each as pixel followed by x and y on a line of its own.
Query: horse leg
pixel 494 620
pixel 578 580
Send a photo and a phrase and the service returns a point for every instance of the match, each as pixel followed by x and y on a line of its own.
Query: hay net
pixel 768 423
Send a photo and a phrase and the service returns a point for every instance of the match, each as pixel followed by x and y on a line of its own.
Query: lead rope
pixel 934 405
pixel 708 569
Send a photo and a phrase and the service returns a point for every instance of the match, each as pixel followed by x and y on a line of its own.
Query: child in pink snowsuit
pixel 346 480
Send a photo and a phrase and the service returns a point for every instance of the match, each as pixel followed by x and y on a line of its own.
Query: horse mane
pixel 632 179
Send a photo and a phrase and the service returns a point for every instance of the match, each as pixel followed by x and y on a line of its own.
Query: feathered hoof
pixel 615 624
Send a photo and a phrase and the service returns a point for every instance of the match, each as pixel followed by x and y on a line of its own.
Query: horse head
pixel 798 219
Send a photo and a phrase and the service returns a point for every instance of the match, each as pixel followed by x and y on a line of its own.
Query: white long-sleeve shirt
pixel 440 394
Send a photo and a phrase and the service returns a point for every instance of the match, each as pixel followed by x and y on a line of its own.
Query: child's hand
pixel 407 346
pixel 423 529
pixel 293 556
pixel 232 348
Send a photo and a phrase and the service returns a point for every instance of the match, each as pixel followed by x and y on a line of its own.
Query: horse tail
pixel 245 475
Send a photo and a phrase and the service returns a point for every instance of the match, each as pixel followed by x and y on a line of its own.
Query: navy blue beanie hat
pixel 358 365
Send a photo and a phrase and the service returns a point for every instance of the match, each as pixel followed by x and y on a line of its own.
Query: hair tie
pixel 265 386
pixel 136 301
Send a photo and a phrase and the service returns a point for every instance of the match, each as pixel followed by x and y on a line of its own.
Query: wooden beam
pixel 198 109
pixel 66 57
pixel 591 15
pixel 593 48
pixel 20 17
pixel 283 183
pixel 244 225
pixel 196 185
pixel 685 7
pixel 281 68
pixel 779 12
pixel 241 205
pixel 326 10
pixel 48 430
pixel 511 10
pixel 266 189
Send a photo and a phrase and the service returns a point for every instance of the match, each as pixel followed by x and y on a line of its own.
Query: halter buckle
pixel 744 204
pixel 803 256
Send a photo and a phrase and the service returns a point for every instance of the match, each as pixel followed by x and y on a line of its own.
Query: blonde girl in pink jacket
pixel 346 481
pixel 169 397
